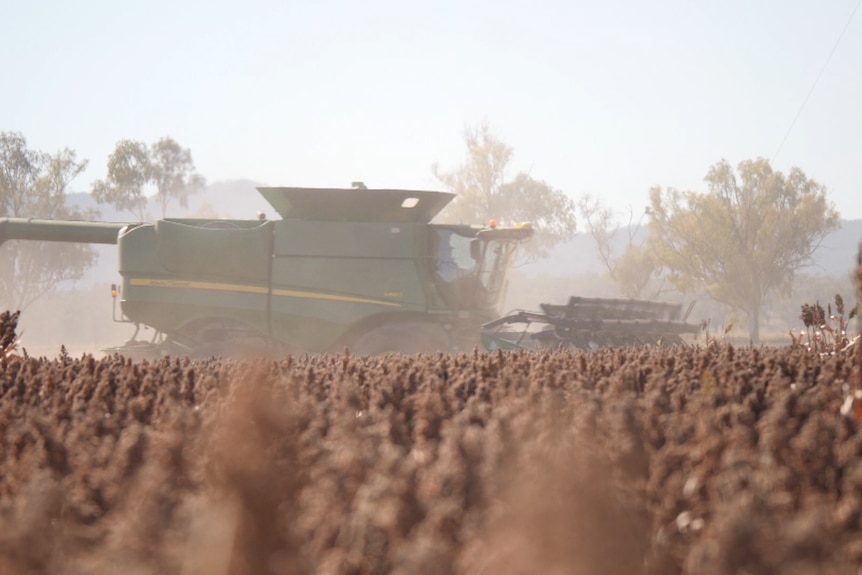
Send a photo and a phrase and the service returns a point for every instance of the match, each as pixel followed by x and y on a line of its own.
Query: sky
pixel 609 98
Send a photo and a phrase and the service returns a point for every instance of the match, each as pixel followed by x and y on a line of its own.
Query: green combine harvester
pixel 343 268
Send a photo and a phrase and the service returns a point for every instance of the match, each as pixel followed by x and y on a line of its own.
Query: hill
pixel 835 257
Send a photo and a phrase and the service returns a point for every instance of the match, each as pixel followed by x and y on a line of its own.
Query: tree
pixel 129 171
pixel 743 239
pixel 633 269
pixel 484 194
pixel 33 184
pixel 173 173
pixel 133 169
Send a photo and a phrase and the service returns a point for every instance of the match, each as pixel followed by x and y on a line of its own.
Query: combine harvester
pixel 343 268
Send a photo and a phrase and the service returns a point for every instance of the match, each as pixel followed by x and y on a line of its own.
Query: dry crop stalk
pixel 796 340
pixel 829 333
pixel 9 341
pixel 859 320
pixel 7 354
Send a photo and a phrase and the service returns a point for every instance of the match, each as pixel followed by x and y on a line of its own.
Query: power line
pixel 828 58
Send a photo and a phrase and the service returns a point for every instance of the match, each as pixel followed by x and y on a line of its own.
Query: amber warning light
pixel 114 290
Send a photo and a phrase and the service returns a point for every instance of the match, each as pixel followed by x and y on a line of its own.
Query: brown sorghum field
pixel 708 460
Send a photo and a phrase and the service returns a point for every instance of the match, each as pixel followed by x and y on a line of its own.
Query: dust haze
pixel 79 315
pixel 79 319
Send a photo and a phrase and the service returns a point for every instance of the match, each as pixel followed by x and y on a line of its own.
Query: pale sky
pixel 609 97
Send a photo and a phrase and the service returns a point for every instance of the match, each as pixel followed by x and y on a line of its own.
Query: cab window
pixel 454 259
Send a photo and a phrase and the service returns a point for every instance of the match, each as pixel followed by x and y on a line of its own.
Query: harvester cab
pixel 471 263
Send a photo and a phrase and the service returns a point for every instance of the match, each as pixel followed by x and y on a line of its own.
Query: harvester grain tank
pixel 362 269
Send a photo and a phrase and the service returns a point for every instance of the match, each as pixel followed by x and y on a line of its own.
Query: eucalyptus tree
pixel 743 238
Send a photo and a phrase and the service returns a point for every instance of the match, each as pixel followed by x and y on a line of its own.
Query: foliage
pixel 743 239
pixel 478 180
pixel 134 169
pixel 33 184
pixel 173 173
pixel 485 194
pixel 550 211
pixel 128 174
pixel 634 269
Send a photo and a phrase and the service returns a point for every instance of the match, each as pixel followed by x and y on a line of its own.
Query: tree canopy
pixel 744 238
pixel 33 185
pixel 484 193
pixel 134 169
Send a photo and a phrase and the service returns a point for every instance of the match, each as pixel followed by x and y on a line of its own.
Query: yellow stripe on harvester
pixel 216 286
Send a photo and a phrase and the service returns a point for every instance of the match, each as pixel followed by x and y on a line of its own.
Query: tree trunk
pixel 754 323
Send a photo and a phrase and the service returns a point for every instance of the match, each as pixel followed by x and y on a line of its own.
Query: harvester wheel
pixel 406 338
